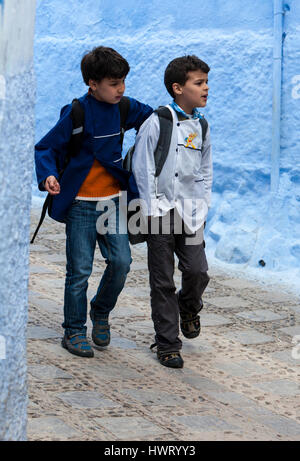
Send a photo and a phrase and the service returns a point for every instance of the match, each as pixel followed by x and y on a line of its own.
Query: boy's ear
pixel 92 84
pixel 177 89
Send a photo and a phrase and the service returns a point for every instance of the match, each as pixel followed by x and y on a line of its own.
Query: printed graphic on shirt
pixel 189 140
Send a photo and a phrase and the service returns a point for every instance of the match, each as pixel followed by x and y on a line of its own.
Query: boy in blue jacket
pixel 93 176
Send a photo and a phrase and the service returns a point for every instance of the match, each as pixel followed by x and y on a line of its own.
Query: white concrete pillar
pixel 17 96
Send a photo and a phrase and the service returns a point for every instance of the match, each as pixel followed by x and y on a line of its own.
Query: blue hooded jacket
pixel 101 140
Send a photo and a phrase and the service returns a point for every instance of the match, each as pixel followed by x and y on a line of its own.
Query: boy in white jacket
pixel 176 203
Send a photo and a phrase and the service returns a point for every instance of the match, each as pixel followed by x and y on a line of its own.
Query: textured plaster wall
pixel 236 39
pixel 16 159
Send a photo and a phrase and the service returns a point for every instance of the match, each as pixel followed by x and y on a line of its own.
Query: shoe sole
pixel 75 352
pixel 168 365
pixel 191 335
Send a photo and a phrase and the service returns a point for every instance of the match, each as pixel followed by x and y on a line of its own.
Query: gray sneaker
pixel 78 345
pixel 101 331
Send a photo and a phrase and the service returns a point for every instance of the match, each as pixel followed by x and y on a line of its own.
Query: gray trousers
pixel 164 302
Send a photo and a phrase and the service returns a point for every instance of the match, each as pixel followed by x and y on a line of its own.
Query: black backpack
pixel 74 146
pixel 163 144
pixel 160 156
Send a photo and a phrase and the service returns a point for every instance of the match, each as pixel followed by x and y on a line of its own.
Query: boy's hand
pixel 52 185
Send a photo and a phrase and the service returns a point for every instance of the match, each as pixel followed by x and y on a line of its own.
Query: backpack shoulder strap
pixel 164 140
pixel 124 106
pixel 77 116
pixel 204 126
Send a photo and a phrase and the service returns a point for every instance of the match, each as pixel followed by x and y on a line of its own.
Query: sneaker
pixel 101 332
pixel 78 345
pixel 169 359
pixel 190 325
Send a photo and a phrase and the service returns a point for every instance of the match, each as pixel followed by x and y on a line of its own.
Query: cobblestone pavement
pixel 240 380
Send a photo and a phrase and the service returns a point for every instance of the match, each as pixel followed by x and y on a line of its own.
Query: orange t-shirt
pixel 99 183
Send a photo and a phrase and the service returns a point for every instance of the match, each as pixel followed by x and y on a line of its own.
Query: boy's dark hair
pixel 103 62
pixel 177 70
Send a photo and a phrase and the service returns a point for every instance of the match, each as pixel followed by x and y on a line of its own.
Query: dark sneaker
pixel 190 325
pixel 169 359
pixel 101 332
pixel 78 345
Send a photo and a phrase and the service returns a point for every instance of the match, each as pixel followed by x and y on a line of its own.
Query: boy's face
pixel 108 90
pixel 194 92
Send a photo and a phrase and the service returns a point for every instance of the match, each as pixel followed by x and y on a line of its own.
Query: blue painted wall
pixel 17 97
pixel 236 39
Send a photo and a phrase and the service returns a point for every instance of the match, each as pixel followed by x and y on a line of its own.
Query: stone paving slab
pixel 249 337
pixel 196 346
pixel 203 384
pixel 122 343
pixel 291 331
pixel 157 397
pixel 228 302
pixel 241 369
pixel 50 426
pixel 296 309
pixel 126 312
pixel 236 400
pixel 205 423
pixel 36 269
pixel 48 372
pixel 130 428
pixel 261 315
pixel 56 258
pixel 48 305
pixel 106 372
pixel 271 297
pixel 212 320
pixel 139 266
pixel 287 357
pixel 140 293
pixel 49 284
pixel 281 387
pixel 38 249
pixel 54 237
pixel 281 425
pixel 144 326
pixel 86 399
pixel 39 332
pixel 238 284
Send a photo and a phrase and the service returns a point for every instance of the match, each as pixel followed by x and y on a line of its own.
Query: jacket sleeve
pixel 143 165
pixel 206 167
pixel 138 113
pixel 52 148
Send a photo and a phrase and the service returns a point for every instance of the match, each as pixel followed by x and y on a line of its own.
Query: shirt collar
pixel 195 114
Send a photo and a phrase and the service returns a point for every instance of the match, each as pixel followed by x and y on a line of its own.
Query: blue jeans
pixel 82 226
